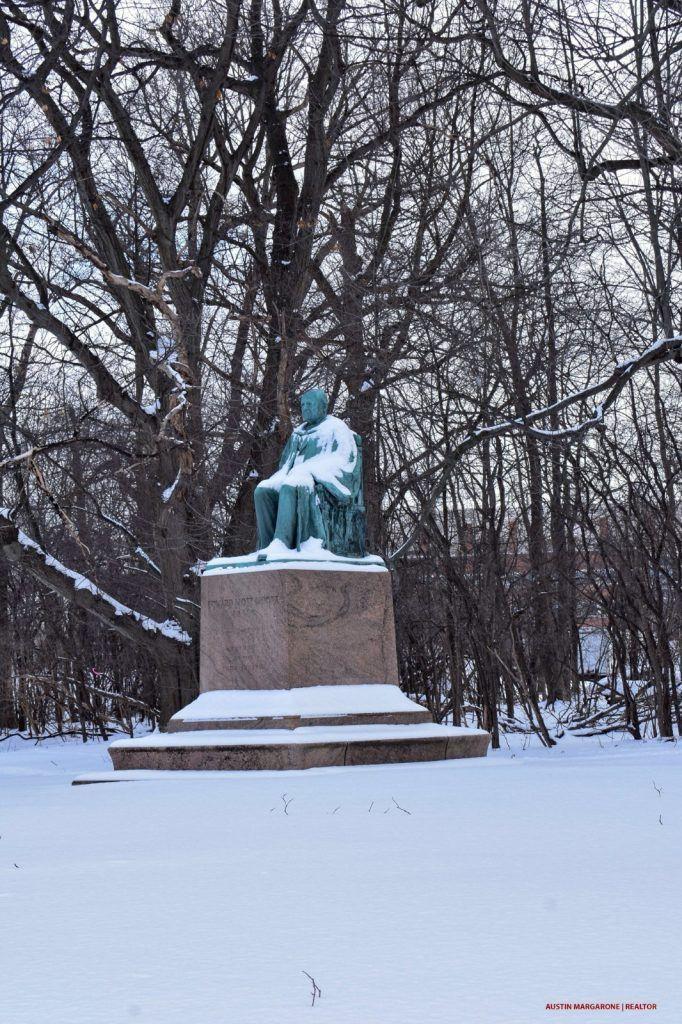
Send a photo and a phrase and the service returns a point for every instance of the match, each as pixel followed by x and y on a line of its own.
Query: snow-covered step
pixel 305 747
pixel 354 704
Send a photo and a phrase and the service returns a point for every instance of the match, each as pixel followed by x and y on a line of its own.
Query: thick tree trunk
pixel 8 718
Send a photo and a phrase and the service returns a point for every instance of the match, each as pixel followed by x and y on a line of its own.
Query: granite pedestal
pixel 282 626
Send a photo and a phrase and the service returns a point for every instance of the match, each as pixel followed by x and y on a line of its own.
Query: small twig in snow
pixel 399 807
pixel 286 802
pixel 659 791
pixel 316 992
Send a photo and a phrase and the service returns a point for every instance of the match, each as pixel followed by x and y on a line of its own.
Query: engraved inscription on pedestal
pixel 243 645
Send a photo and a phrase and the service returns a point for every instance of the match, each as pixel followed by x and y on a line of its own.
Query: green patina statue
pixel 315 497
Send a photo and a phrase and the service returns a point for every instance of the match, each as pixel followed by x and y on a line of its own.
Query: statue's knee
pixel 263 494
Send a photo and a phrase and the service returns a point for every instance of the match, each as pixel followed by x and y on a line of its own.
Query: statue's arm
pixel 349 478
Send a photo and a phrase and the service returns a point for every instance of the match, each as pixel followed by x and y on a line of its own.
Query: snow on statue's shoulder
pixel 330 428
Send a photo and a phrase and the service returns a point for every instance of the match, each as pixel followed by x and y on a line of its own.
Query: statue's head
pixel 314 405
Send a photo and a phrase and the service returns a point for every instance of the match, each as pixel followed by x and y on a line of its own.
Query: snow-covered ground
pixel 463 892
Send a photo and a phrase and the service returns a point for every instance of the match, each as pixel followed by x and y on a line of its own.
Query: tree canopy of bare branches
pixel 463 220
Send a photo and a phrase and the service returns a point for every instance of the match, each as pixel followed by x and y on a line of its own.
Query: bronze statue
pixel 316 494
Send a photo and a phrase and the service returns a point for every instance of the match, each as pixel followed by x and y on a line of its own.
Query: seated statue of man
pixel 320 459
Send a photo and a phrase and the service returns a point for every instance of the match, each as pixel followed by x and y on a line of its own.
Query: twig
pixel 316 992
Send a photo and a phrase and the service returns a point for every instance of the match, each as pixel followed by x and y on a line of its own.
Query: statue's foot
pixel 275 547
pixel 313 546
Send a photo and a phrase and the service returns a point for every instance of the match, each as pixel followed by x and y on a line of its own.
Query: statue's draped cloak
pixel 322 456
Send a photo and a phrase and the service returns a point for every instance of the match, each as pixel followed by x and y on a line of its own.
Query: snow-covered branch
pixel 660 351
pixel 155 295
pixel 152 294
pixel 136 547
pixel 30 453
pixel 16 546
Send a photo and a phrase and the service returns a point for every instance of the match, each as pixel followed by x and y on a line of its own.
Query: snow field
pixel 515 880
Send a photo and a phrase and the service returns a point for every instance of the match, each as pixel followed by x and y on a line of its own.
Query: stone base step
pixel 299 707
pixel 303 721
pixel 306 747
